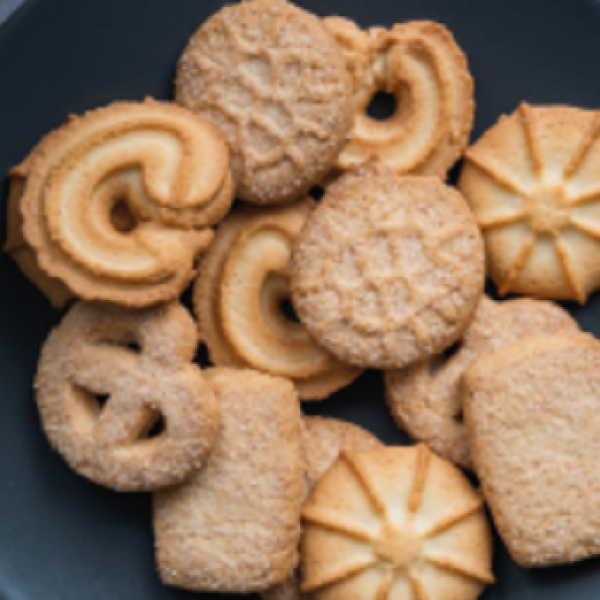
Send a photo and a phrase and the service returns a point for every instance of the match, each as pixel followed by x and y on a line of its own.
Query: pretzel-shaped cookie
pixel 88 357
pixel 168 168
pixel 423 67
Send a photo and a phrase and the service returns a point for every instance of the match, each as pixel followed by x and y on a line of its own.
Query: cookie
pixel 322 440
pixel 239 296
pixel 388 270
pixel 395 523
pixel 234 526
pixel 425 398
pixel 422 66
pixel 532 180
pixel 107 376
pixel 272 77
pixel 162 165
pixel 531 411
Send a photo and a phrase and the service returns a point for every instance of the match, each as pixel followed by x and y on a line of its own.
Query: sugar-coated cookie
pixel 272 77
pixel 388 270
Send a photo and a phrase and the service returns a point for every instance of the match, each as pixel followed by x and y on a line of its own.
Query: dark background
pixel 64 538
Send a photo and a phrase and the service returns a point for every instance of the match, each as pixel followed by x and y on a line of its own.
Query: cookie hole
pixel 288 311
pixel 451 350
pixel 134 347
pixel 122 218
pixel 101 400
pixel 316 192
pixel 382 106
pixel 155 427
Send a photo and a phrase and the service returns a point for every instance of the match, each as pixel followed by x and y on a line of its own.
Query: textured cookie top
pixel 395 523
pixel 388 269
pixel 531 410
pixel 533 182
pixel 273 79
pixel 426 398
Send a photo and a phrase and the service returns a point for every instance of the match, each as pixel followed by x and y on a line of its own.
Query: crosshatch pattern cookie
pixel 388 270
pixel 272 77
pixel 422 66
pixel 89 358
pixel 532 414
pixel 167 167
pixel 425 398
pixel 533 183
pixel 242 284
pixel 234 527
pixel 395 523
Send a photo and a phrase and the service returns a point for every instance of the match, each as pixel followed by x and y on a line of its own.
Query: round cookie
pixel 421 64
pixel 426 399
pixel 397 523
pixel 533 181
pixel 239 296
pixel 388 270
pixel 272 77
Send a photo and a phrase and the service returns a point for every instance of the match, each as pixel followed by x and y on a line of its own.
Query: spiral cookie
pixel 426 398
pixel 533 183
pixel 272 77
pixel 423 67
pixel 92 357
pixel 388 270
pixel 238 297
pixel 156 163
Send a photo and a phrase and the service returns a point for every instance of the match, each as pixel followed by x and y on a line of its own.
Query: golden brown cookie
pixel 533 182
pixel 168 169
pixel 421 64
pixel 234 526
pixel 272 77
pixel 425 398
pixel 239 294
pixel 397 523
pixel 106 376
pixel 531 411
pixel 388 270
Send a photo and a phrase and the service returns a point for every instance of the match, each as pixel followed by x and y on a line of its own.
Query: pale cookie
pixel 395 523
pixel 531 411
pixel 234 526
pixel 425 398
pixel 322 440
pixel 106 376
pixel 239 296
pixel 167 168
pixel 533 181
pixel 388 270
pixel 272 77
pixel 421 64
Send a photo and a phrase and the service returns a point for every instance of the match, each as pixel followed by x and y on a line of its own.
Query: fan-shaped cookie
pixel 395 524
pixel 533 183
pixel 425 398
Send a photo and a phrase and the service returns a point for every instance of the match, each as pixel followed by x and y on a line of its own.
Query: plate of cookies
pixel 299 300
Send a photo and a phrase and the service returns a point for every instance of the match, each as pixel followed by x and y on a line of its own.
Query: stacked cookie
pixel 114 213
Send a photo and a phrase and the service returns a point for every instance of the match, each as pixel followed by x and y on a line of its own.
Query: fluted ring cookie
pixel 388 270
pixel 533 182
pixel 421 64
pixel 106 376
pixel 272 77
pixel 165 165
pixel 395 523
pixel 239 294
pixel 426 399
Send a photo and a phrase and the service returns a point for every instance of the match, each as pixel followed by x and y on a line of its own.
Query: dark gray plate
pixel 64 538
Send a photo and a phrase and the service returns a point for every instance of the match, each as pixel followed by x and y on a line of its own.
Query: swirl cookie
pixel 234 526
pixel 397 523
pixel 99 398
pixel 425 398
pixel 242 284
pixel 272 77
pixel 156 163
pixel 388 270
pixel 423 67
pixel 533 183
pixel 531 410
